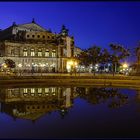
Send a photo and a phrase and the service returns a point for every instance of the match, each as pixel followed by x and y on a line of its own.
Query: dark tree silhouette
pixel 94 54
pixel 119 53
pixel 105 57
pixel 10 63
pixel 83 58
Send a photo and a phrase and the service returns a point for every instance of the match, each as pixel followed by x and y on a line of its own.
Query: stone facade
pixel 34 48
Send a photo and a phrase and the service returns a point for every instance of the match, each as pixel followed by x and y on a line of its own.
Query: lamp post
pixel 71 66
pixel 4 66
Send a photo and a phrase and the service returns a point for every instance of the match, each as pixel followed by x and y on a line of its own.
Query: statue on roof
pixel 33 20
pixel 64 31
pixel 14 24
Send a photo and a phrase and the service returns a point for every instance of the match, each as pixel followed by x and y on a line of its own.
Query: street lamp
pixel 125 68
pixel 125 65
pixel 72 65
pixel 4 66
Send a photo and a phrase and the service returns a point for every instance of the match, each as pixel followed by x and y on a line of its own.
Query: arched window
pixel 25 53
pixel 53 89
pixel 53 53
pixel 32 90
pixel 47 53
pixel 32 52
pixel 39 52
pixel 13 52
pixel 39 90
pixel 25 90
pixel 46 90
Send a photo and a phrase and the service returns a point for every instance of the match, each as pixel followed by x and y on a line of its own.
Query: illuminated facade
pixel 36 49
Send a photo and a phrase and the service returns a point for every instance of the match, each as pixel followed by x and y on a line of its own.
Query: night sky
pixel 90 23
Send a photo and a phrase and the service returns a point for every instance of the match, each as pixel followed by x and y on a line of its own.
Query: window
pixel 32 90
pixel 25 52
pixel 25 90
pixel 43 36
pixel 53 53
pixel 39 52
pixel 33 36
pixel 65 52
pixel 32 52
pixel 53 89
pixel 47 53
pixel 40 90
pixel 48 36
pixel 28 36
pixel 38 36
pixel 13 52
pixel 46 90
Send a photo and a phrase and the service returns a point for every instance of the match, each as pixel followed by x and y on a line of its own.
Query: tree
pixel 137 52
pixel 119 53
pixel 94 54
pixel 83 58
pixel 105 57
pixel 10 63
pixel 90 56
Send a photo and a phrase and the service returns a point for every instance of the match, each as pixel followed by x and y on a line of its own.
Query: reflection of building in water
pixel 32 103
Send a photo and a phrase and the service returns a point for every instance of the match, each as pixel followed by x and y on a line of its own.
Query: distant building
pixel 36 49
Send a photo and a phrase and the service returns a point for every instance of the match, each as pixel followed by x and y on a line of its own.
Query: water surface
pixel 69 112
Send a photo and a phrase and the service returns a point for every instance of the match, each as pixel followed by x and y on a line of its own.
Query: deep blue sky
pixel 89 22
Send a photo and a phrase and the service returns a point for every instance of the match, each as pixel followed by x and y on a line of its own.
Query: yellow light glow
pixel 75 63
pixel 68 66
pixel 71 62
pixel 20 65
pixel 5 66
pixel 125 65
